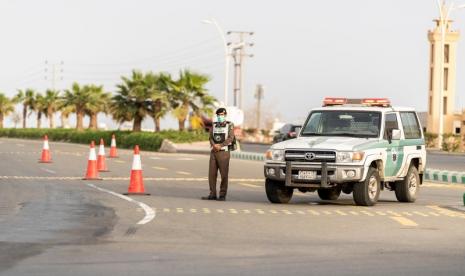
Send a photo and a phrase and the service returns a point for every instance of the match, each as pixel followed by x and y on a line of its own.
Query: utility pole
pixel 239 53
pixel 259 96
pixel 54 72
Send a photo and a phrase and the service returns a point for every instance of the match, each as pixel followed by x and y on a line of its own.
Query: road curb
pixel 445 176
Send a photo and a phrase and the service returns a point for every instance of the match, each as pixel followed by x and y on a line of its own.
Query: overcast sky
pixel 304 50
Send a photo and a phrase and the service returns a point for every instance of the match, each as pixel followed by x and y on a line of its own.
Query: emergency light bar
pixel 381 102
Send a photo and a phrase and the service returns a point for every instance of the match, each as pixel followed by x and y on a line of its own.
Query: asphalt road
pixel 439 161
pixel 53 223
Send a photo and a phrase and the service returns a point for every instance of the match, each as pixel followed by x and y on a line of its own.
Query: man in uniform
pixel 222 142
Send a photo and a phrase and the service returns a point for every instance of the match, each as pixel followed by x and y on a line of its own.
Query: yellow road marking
pixel 233 211
pixel 354 213
pixel 119 161
pixel 404 221
pixel 166 210
pixel 380 213
pixel 183 173
pixel 273 211
pixel 287 212
pixel 394 213
pixel 300 212
pixel 193 210
pixel 206 210
pixel 246 211
pixel 327 212
pixel 341 213
pixel 249 185
pixel 180 210
pixel 420 213
pixel 407 214
pixel 313 212
pixel 160 168
pixel 260 211
pixel 219 210
pixel 434 214
pixel 367 213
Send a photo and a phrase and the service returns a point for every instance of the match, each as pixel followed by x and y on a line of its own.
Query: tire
pixel 407 189
pixel 277 192
pixel 329 194
pixel 366 193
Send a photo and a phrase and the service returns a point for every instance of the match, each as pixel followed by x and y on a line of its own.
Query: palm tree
pixel 27 98
pixel 98 102
pixel 51 105
pixel 6 107
pixel 77 97
pixel 160 87
pixel 39 107
pixel 133 101
pixel 189 92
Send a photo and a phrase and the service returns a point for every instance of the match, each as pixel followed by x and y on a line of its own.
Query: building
pixel 454 122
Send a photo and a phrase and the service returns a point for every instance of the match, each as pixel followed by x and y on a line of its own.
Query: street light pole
pixel 444 13
pixel 213 21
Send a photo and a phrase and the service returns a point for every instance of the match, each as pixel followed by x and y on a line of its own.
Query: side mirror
pixel 395 134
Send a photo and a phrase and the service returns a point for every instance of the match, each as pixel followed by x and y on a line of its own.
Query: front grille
pixel 318 156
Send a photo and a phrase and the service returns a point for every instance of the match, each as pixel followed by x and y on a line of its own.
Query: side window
pixel 390 124
pixel 410 125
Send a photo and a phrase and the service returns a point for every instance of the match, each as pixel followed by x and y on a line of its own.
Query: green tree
pixel 27 98
pixel 189 92
pixel 133 100
pixel 77 97
pixel 98 102
pixel 39 107
pixel 51 105
pixel 160 87
pixel 6 107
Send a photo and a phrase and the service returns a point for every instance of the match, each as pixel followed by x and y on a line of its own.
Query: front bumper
pixel 327 174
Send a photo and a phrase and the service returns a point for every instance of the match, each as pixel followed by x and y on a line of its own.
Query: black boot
pixel 210 197
pixel 222 198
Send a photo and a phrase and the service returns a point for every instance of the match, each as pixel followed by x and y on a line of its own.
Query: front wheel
pixel 366 193
pixel 407 189
pixel 277 192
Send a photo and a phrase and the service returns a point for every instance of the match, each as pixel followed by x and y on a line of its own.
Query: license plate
pixel 307 175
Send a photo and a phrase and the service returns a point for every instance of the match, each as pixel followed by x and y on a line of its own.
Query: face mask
pixel 221 118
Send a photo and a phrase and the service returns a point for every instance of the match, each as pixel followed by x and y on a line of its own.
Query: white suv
pixel 358 146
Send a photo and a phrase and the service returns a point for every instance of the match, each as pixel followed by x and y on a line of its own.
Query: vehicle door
pixel 413 142
pixel 394 147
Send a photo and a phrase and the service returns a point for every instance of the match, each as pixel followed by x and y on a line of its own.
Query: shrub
pixel 451 142
pixel 125 139
pixel 430 139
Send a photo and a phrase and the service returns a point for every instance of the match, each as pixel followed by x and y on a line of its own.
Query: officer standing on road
pixel 222 141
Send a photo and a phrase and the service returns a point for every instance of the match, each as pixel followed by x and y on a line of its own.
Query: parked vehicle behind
pixel 288 131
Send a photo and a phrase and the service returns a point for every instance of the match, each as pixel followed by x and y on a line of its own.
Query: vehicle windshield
pixel 343 123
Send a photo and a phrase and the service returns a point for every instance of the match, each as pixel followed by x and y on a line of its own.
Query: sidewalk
pixel 204 148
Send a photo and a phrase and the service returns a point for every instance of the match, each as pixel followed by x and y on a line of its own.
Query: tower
pixel 438 54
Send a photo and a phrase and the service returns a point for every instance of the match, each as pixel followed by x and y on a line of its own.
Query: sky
pixel 304 50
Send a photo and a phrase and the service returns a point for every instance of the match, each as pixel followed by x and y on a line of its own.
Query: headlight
pixel 275 155
pixel 349 156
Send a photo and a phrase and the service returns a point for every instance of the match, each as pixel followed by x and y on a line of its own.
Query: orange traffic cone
pixel 101 163
pixel 113 153
pixel 92 172
pixel 136 184
pixel 45 158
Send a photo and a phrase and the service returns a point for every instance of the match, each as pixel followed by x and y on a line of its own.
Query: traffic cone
pixel 101 163
pixel 113 153
pixel 136 183
pixel 45 158
pixel 92 171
